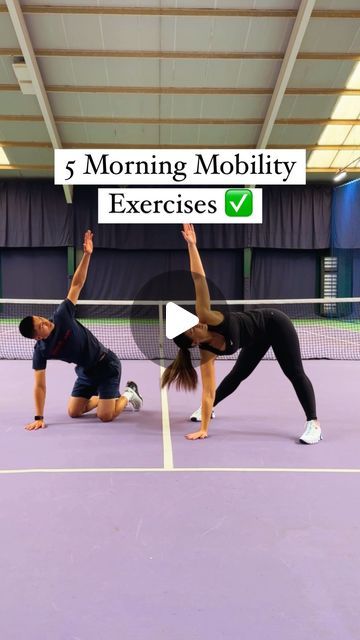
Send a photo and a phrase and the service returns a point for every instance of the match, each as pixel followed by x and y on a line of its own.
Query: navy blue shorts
pixel 103 379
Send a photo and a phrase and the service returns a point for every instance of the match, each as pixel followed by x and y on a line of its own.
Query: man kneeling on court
pixel 64 338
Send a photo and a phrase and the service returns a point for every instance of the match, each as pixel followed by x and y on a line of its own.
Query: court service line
pixel 274 470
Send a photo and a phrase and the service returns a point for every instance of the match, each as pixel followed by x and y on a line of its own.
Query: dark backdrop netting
pixel 293 218
pixel 36 227
pixel 284 274
pixel 327 328
pixel 121 274
pixel 35 214
pixel 34 273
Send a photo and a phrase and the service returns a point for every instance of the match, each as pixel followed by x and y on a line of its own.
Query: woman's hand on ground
pixel 198 435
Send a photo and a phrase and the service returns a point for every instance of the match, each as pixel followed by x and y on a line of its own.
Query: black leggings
pixel 282 337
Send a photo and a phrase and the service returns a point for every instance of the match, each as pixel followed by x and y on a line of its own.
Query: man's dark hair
pixel 26 327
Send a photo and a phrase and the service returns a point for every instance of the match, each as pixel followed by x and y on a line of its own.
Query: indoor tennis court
pixel 124 528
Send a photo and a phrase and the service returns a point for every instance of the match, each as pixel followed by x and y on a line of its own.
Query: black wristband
pixel 38 417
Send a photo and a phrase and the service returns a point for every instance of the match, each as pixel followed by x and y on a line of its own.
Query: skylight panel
pixel 3 157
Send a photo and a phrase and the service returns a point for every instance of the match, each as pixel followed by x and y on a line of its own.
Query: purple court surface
pixel 127 530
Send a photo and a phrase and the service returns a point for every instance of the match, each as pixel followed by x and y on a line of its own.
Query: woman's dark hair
pixel 26 327
pixel 181 371
pixel 183 341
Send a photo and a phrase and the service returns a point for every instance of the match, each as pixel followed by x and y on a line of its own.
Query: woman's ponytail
pixel 181 371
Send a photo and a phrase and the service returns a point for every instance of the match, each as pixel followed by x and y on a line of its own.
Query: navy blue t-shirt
pixel 69 341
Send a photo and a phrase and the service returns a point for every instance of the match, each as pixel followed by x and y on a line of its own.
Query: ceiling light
pixel 341 173
pixel 23 77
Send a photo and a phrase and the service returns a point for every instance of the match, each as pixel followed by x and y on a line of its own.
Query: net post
pixel 70 262
pixel 161 329
pixel 247 256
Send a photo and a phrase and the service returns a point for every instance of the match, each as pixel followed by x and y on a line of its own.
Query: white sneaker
pixel 196 416
pixel 131 392
pixel 312 433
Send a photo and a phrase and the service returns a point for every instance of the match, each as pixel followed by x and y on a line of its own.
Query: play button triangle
pixel 178 320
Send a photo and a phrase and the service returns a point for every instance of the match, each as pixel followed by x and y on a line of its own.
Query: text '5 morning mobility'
pixel 186 166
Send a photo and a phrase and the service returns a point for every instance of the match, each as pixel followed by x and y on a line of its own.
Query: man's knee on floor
pixel 74 412
pixel 105 416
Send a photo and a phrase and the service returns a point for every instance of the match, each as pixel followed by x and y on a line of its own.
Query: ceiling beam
pixel 40 167
pixel 331 170
pixel 185 12
pixel 115 145
pixel 243 91
pixel 8 117
pixel 181 55
pixel 25 43
pixel 26 167
pixel 295 40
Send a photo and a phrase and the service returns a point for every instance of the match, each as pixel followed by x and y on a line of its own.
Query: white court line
pixel 165 415
pixel 325 470
pixel 334 339
pixel 166 433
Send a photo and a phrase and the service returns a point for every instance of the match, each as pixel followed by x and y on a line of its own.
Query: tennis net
pixel 327 327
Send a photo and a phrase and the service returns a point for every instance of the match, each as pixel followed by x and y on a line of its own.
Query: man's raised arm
pixel 80 274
